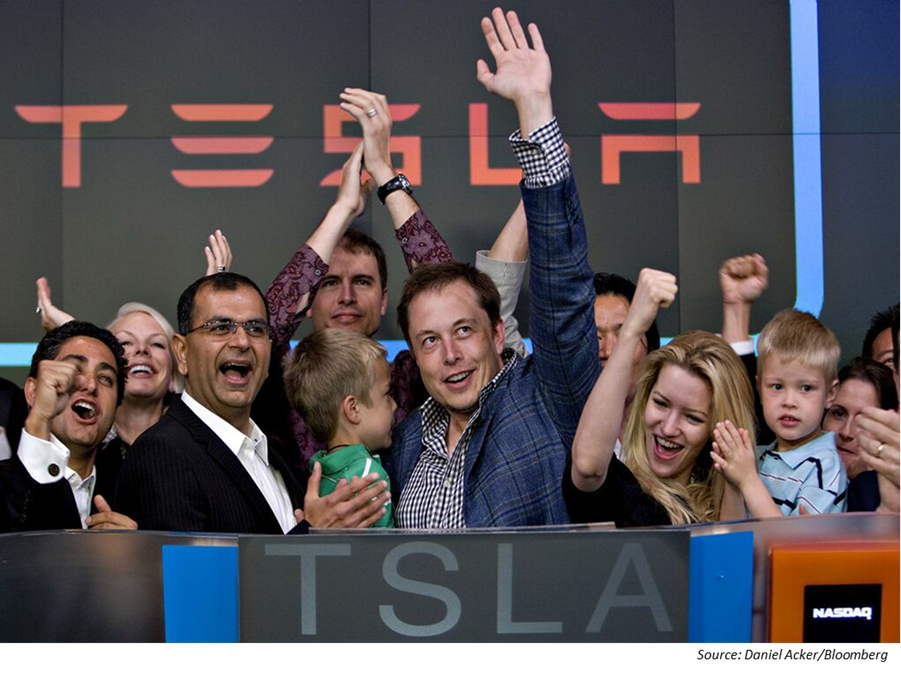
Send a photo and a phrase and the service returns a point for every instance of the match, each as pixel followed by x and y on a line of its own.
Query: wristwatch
pixel 399 181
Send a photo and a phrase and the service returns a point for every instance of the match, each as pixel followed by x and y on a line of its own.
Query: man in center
pixel 488 448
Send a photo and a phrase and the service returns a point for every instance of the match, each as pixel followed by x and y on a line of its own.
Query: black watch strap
pixel 399 181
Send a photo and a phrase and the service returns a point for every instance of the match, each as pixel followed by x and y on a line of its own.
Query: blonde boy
pixel 801 472
pixel 338 380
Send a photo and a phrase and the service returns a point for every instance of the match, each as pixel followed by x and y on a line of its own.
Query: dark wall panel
pixel 130 231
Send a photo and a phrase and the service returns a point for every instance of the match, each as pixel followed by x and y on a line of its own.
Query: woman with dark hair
pixel 862 383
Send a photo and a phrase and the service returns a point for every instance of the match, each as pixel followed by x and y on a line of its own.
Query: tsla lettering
pixel 72 118
pixel 221 145
pixel 612 146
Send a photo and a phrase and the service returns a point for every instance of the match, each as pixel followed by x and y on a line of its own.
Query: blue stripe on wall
pixel 19 354
pixel 805 58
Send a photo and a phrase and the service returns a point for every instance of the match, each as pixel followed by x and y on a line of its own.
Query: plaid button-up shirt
pixel 433 497
pixel 515 455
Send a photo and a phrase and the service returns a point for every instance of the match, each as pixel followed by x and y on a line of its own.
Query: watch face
pixel 399 181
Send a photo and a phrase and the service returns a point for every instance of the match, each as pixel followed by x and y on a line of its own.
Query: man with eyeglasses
pixel 206 466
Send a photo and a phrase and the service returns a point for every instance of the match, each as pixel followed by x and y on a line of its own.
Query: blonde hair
pixel 797 336
pixel 178 381
pixel 712 360
pixel 325 368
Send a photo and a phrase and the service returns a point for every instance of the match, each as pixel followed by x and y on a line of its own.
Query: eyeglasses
pixel 255 329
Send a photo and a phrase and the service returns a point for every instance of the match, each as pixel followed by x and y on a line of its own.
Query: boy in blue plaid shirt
pixel 801 472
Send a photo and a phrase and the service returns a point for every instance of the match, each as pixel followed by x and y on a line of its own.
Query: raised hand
pixel 743 279
pixel 51 316
pixel 48 394
pixel 352 195
pixel 371 112
pixel 218 254
pixel 655 290
pixel 522 73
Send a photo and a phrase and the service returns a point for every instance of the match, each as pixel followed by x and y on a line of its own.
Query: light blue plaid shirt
pixel 811 475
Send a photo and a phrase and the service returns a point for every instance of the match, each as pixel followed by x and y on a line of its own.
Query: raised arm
pixel 289 296
pixel 419 240
pixel 742 280
pixel 505 264
pixel 51 315
pixel 602 416
pixel 561 292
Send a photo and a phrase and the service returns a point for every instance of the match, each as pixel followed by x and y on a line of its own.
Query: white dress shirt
pixel 253 452
pixel 48 461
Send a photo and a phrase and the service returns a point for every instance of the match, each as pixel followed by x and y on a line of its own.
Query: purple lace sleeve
pixel 299 276
pixel 421 243
pixel 404 377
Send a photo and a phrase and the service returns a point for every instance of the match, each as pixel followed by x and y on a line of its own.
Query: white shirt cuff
pixel 45 461
pixel 743 347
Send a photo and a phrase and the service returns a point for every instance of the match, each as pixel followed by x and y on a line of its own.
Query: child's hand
pixel 733 454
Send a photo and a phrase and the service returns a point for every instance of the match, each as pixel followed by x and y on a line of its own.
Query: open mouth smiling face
pixel 677 421
pixel 225 370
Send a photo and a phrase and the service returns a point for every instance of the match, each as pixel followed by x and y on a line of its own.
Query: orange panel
pixel 862 562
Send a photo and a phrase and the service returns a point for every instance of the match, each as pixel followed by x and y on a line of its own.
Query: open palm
pixel 521 71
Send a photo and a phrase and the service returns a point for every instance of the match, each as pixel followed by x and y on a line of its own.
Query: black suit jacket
pixel 179 476
pixel 13 411
pixel 27 505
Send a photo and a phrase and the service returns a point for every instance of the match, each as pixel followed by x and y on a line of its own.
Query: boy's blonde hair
pixel 711 359
pixel 325 368
pixel 796 336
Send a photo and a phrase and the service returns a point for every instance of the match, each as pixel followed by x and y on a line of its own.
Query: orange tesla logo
pixel 334 142
pixel 222 145
pixel 613 146
pixel 71 117
pixel 480 173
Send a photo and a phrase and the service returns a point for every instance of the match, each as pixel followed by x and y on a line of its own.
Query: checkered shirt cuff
pixel 542 156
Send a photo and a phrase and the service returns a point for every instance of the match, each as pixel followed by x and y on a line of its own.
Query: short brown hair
pixel 357 242
pixel 431 277
pixel 794 335
pixel 325 368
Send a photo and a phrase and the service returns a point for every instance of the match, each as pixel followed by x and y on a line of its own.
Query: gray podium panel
pixel 85 587
pixel 470 587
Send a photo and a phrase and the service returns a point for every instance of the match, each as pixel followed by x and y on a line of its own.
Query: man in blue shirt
pixel 488 448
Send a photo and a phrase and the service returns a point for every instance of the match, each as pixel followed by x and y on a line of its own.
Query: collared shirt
pixel 542 156
pixel 48 461
pixel 433 496
pixel 811 475
pixel 253 452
